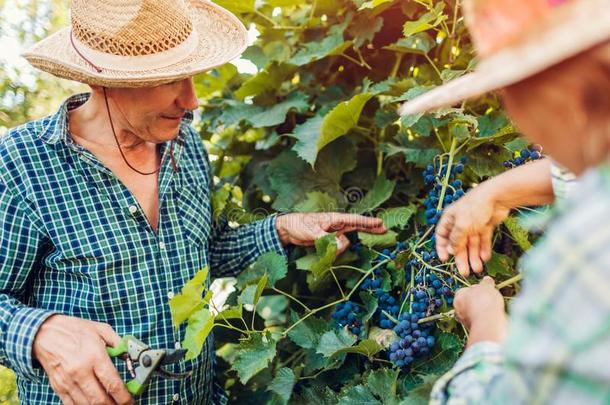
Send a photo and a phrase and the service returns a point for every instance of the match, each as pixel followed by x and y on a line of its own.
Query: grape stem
pixel 451 314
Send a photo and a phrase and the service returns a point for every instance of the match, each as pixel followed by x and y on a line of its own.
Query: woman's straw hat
pixel 516 39
pixel 139 43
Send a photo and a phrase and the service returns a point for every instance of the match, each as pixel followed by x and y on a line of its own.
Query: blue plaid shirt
pixel 558 345
pixel 74 240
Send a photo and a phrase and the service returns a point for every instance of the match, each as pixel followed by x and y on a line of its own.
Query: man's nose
pixel 187 98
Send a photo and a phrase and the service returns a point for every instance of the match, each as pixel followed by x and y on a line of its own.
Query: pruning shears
pixel 147 362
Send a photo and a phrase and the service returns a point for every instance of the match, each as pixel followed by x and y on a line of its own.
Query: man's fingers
pixel 378 230
pixel 108 335
pixel 339 221
pixel 93 390
pixel 474 254
pixel 109 378
pixel 342 243
pixel 60 387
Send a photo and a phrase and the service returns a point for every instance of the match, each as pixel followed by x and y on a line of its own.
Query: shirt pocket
pixel 195 213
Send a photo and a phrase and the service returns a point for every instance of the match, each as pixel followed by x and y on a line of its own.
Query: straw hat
pixel 516 39
pixel 138 43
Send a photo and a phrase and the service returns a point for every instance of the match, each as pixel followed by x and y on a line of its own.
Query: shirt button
pixel 133 209
pixel 176 397
pixel 161 245
pixel 170 295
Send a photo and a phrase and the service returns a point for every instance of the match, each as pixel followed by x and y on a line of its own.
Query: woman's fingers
pixel 486 236
pixel 461 262
pixel 474 254
pixel 443 232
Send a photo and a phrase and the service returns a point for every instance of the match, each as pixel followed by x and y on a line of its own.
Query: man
pixel 105 205
pixel 551 58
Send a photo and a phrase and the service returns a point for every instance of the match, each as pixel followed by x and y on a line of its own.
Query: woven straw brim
pixel 222 38
pixel 580 27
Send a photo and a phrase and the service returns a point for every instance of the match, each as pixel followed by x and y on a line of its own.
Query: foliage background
pixel 315 129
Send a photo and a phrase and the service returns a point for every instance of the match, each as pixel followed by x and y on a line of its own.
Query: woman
pixel 552 61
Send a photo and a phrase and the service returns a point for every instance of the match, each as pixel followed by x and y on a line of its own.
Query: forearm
pixel 232 250
pixel 525 185
pixel 490 329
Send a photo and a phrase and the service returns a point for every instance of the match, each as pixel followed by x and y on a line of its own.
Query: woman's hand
pixel 465 230
pixel 303 229
pixel 480 308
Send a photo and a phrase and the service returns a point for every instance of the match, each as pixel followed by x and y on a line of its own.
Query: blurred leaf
pixel 326 249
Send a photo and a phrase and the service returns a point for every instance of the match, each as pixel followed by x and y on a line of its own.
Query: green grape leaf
pixel 234 312
pixel 270 263
pixel 317 201
pixel 383 383
pixel 420 43
pixel 277 113
pixel 189 300
pixel 397 217
pixel 370 305
pixel 429 20
pixel 307 334
pixel 499 265
pixel 283 383
pixel 253 355
pixel 373 241
pixel 333 341
pixel 199 327
pixel 326 249
pixel 367 348
pixel 358 395
pixel 264 81
pixel 380 192
pixel 518 233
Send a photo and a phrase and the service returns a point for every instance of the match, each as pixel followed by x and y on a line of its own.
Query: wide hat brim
pixel 576 28
pixel 221 38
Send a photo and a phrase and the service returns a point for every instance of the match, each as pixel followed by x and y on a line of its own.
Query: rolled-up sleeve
pixel 21 248
pixel 233 249
pixel 469 379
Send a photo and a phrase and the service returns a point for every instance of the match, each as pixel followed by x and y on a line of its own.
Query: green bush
pixel 314 130
pixel 8 387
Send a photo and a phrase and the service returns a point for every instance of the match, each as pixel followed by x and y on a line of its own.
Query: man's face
pixel 153 114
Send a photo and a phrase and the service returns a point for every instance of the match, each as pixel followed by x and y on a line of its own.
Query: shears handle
pixel 134 387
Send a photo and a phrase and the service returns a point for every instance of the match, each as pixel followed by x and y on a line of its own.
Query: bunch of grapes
pixel 425 291
pixel 348 314
pixel 435 178
pixel 526 155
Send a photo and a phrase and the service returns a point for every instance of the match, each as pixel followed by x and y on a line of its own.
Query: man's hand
pixel 480 308
pixel 304 229
pixel 72 352
pixel 466 227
